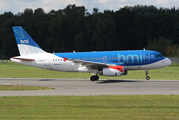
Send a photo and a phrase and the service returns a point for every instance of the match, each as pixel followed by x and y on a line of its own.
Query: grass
pixel 124 107
pixel 13 70
pixel 22 87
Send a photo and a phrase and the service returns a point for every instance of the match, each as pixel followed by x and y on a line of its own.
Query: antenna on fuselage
pixel 144 48
pixel 73 51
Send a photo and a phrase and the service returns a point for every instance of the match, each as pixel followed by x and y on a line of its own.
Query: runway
pixel 84 87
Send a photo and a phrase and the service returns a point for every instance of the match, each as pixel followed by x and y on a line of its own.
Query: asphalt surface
pixel 84 87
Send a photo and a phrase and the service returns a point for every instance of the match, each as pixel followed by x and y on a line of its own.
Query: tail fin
pixel 26 45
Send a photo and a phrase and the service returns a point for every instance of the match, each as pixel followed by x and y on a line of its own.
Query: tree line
pixel 74 28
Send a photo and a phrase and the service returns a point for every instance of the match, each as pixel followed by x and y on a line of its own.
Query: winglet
pixel 65 59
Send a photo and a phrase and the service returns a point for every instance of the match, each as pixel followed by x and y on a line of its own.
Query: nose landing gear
pixel 147 77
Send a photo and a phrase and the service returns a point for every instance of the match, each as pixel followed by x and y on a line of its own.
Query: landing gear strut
pixel 147 77
pixel 94 78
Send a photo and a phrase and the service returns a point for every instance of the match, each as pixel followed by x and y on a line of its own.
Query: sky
pixel 16 6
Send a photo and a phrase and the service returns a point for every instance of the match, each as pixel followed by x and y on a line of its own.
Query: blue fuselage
pixel 125 58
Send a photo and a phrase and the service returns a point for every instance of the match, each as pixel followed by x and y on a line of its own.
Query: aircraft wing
pixel 94 65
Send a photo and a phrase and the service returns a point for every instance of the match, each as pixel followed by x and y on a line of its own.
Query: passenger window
pixel 156 56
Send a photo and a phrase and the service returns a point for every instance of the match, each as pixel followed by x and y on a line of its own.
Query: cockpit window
pixel 158 56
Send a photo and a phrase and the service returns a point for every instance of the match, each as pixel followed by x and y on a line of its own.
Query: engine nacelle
pixel 82 69
pixel 85 69
pixel 113 71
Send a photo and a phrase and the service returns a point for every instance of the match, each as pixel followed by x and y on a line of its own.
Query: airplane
pixel 106 63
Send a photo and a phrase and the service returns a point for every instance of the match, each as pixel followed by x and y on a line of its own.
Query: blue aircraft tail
pixel 26 45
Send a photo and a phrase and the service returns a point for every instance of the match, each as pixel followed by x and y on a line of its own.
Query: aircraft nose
pixel 167 61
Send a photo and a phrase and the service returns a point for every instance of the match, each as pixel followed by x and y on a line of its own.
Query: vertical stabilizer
pixel 26 45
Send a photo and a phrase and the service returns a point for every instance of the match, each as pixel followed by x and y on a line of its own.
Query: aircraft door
pixel 105 59
pixel 46 60
pixel 146 57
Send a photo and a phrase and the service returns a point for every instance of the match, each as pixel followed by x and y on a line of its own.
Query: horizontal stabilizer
pixel 24 59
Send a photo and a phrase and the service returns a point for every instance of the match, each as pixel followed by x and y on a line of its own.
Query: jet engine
pixel 113 71
pixel 85 69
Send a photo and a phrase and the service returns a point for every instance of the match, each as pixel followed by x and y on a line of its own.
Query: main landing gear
pixel 94 78
pixel 147 77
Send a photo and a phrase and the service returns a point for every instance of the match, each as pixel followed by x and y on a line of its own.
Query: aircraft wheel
pixel 94 78
pixel 97 77
pixel 147 78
